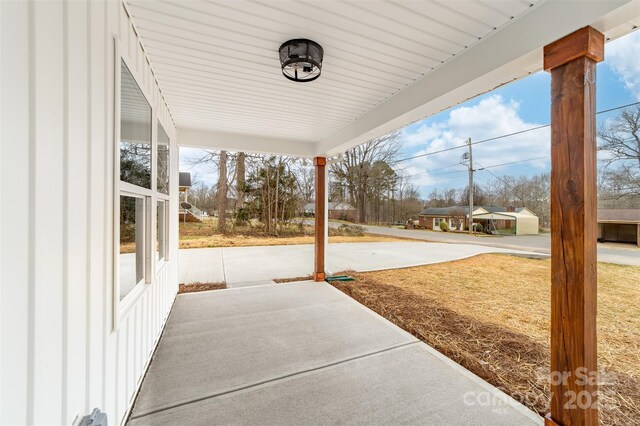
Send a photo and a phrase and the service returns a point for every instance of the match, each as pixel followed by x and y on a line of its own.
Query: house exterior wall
pixel 65 348
pixel 349 215
pixel 426 221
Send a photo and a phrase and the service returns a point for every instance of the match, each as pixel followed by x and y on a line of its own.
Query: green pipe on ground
pixel 339 278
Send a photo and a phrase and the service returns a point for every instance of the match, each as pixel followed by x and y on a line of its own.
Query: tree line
pixel 274 189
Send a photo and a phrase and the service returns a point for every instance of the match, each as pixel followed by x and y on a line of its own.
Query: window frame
pixel 157 151
pixel 162 247
pixel 145 220
pixel 161 196
pixel 151 197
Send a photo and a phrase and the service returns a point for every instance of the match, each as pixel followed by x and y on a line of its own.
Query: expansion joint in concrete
pixel 275 379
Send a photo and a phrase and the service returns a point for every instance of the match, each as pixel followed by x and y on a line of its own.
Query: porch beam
pixel 572 63
pixel 320 164
pixel 203 138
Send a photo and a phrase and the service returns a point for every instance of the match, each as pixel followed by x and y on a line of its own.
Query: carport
pixel 619 225
pixel 525 224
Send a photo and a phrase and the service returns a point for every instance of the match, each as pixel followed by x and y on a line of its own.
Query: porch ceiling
pixel 387 63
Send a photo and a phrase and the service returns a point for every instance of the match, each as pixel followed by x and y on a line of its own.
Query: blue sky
pixel 517 106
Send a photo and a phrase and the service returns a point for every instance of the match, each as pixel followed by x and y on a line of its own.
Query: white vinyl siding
pixel 57 243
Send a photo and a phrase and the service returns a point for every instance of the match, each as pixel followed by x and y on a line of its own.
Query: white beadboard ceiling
pixel 217 61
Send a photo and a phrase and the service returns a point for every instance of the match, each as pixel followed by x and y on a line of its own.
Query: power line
pixel 466 145
pixel 433 170
pixel 494 175
pixel 513 162
pixel 617 108
pixel 481 168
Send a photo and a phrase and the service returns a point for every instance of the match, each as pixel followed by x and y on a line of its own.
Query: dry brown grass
pixel 205 234
pixel 293 280
pixel 490 313
pixel 198 286
pixel 127 248
pixel 249 240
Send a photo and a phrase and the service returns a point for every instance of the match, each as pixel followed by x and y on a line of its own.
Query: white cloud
pixel 493 116
pixel 623 56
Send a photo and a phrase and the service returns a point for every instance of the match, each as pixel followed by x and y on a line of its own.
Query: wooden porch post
pixel 320 164
pixel 572 63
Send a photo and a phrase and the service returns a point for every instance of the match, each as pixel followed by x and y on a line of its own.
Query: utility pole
pixel 470 187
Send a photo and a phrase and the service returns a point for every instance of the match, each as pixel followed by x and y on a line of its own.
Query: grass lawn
pixel 490 313
pixel 205 234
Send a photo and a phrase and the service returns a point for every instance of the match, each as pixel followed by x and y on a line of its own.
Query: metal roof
pixel 445 211
pixel 458 210
pixel 619 215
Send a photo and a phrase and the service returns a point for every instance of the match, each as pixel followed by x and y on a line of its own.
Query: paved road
pixel 242 266
pixel 620 254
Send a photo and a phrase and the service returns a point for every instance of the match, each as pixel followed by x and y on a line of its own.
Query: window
pixel 163 185
pixel 163 160
pixel 143 184
pixel 134 193
pixel 132 265
pixel 436 222
pixel 135 133
pixel 161 230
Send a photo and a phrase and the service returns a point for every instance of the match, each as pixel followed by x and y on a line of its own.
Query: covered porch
pixel 80 80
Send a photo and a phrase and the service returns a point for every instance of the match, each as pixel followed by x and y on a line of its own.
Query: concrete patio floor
pixel 239 265
pixel 304 353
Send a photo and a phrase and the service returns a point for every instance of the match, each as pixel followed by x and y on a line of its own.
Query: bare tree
pixel 356 170
pixel 410 203
pixel 274 193
pixel 203 196
pixel 241 179
pixel 522 191
pixel 222 192
pixel 619 140
pixel 306 183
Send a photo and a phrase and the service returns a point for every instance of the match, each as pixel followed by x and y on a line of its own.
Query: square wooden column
pixel 572 63
pixel 320 164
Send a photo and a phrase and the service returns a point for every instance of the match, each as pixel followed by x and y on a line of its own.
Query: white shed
pixel 526 224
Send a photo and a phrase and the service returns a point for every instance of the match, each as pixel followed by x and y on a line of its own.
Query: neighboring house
pixel 341 211
pixel 522 220
pixel 192 214
pixel 184 183
pixel 619 225
pixel 455 216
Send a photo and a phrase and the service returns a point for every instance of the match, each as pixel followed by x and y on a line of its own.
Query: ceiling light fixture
pixel 301 59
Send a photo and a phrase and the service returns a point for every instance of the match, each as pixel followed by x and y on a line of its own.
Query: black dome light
pixel 301 59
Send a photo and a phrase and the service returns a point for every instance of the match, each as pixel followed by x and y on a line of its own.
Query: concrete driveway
pixel 238 266
pixel 621 254
pixel 305 354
